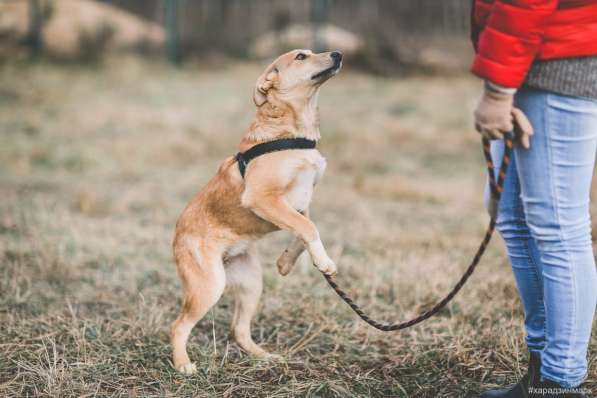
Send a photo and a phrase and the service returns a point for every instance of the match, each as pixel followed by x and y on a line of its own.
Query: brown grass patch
pixel 96 164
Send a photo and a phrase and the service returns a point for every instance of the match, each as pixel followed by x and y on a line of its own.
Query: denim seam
pixel 560 232
pixel 539 283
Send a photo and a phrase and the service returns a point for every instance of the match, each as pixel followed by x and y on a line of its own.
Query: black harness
pixel 243 158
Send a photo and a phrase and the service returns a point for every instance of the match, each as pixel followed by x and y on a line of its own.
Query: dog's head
pixel 296 75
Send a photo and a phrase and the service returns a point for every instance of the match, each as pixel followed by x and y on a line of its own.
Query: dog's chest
pixel 301 190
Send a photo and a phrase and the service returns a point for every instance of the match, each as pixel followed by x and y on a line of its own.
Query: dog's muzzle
pixel 332 70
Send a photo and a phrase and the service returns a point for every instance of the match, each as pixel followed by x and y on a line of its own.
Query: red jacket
pixel 510 34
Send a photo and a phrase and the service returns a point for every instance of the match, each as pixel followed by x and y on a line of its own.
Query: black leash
pixel 496 192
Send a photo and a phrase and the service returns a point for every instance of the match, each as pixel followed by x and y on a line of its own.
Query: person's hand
pixel 523 130
pixel 496 115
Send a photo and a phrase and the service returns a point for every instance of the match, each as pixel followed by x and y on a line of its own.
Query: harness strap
pixel 243 158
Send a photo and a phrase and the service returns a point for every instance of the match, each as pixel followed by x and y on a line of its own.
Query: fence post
pixel 173 39
pixel 34 34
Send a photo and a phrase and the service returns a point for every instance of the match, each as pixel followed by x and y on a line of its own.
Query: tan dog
pixel 215 235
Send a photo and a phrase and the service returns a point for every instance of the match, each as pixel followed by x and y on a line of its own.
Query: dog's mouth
pixel 329 72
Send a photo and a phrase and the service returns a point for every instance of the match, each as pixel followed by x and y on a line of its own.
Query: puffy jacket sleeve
pixel 511 39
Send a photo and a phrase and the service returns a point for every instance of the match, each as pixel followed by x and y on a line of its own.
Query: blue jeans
pixel 544 220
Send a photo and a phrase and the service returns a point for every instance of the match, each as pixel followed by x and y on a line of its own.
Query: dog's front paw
pixel 327 266
pixel 284 263
pixel 187 369
pixel 321 259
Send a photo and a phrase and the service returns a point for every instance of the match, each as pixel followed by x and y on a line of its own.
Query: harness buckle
pixel 242 163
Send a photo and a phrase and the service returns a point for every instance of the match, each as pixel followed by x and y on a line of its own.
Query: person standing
pixel 538 59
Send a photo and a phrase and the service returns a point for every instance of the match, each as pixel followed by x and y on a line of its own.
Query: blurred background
pixel 379 35
pixel 113 114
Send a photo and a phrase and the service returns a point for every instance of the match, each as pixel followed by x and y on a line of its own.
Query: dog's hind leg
pixel 203 279
pixel 243 273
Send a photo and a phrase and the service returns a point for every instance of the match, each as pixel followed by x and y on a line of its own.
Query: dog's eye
pixel 300 56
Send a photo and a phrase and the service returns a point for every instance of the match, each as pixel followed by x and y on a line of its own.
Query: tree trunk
pixel 173 40
pixel 35 35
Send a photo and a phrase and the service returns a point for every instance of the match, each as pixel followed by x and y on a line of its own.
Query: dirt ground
pixel 96 163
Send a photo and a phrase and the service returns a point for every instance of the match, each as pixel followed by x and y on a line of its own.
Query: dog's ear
pixel 264 83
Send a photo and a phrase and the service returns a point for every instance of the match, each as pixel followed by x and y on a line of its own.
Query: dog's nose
pixel 336 56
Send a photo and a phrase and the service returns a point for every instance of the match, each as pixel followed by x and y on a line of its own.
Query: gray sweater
pixel 569 76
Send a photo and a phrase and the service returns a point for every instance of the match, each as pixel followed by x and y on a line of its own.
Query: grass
pixel 97 163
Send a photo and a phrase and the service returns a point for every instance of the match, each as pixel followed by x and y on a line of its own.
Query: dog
pixel 214 243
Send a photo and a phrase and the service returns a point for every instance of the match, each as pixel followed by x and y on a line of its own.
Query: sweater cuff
pixel 499 88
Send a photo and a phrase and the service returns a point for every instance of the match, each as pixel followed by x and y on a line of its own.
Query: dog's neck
pixel 277 119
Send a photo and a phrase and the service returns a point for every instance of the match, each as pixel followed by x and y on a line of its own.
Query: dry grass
pixel 96 164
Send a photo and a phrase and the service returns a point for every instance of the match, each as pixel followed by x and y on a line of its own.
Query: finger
pixel 525 141
pixel 522 128
pixel 522 122
pixel 495 134
pixel 508 126
pixel 478 128
pixel 485 134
